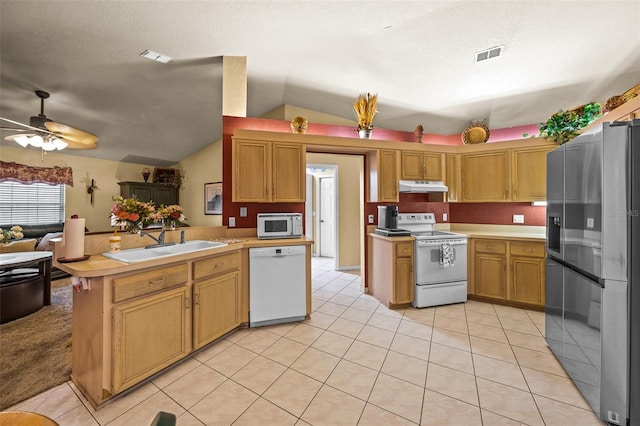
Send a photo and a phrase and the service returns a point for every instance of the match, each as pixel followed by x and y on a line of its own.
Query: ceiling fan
pixel 44 133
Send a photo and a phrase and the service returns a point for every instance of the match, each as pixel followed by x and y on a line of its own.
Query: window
pixel 22 204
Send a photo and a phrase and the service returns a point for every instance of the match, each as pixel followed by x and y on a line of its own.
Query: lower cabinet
pixel 510 271
pixel 215 309
pixel 391 278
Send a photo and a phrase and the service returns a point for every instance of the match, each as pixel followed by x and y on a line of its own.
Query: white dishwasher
pixel 277 285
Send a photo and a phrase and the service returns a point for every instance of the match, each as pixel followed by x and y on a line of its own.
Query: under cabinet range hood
pixel 418 186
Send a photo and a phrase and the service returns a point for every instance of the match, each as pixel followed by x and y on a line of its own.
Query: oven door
pixel 428 267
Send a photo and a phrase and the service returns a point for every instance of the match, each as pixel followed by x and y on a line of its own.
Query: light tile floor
pixel 355 362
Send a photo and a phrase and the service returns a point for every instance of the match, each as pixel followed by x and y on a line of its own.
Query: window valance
pixel 29 174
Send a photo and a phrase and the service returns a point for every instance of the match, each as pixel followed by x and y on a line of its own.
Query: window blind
pixel 37 203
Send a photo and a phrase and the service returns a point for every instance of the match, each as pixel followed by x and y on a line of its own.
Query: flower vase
pixel 365 133
pixel 169 225
pixel 133 227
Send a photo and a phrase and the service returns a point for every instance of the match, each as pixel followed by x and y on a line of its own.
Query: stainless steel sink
pixel 142 254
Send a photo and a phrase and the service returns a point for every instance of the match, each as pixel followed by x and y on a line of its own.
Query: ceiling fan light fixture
pixel 155 56
pixel 22 140
pixel 59 144
pixel 48 146
pixel 36 141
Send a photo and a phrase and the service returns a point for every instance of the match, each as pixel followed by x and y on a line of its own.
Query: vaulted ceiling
pixel 419 56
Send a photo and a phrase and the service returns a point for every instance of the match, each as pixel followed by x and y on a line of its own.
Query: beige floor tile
pixel 343 299
pixel 452 383
pixel 346 327
pixel 528 341
pixel 423 316
pixel 480 307
pixel 353 292
pixel 453 311
pixel 492 349
pixel 523 326
pixel 316 364
pixel 224 405
pixel 356 314
pixel 316 304
pixel 451 338
pixel 144 413
pixel 404 367
pixel 333 343
pixel 554 387
pixel 439 409
pixel 188 419
pixel 453 358
pixel 415 329
pixel 259 374
pixel 258 341
pixel 320 320
pixel 332 309
pixel 411 346
pixel 556 413
pixel 395 313
pixel 488 332
pixel 208 352
pixel 508 402
pixel 376 336
pixel 265 413
pixel 323 294
pixel 353 379
pixel 333 407
pixel 304 334
pixel 397 396
pixel 365 354
pixel 53 402
pixel 285 351
pixel 451 323
pixel 293 392
pixel 546 362
pixel 195 385
pixel 122 403
pixel 483 318
pixel 175 372
pixel 281 329
pixel 232 359
pixel 376 416
pixel 239 334
pixel 504 311
pixel 493 419
pixel 384 321
pixel 365 304
pixel 499 371
pixel 79 416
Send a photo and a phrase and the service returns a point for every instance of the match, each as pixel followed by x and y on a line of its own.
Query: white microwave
pixel 279 225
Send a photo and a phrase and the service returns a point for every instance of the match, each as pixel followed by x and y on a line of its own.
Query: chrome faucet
pixel 182 236
pixel 160 240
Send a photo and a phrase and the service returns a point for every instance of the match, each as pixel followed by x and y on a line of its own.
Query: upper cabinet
pixel 529 174
pixel 383 176
pixel 157 192
pixel 418 165
pixel 485 176
pixel 452 177
pixel 268 172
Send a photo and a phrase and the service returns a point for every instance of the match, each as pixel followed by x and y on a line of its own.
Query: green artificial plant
pixel 565 124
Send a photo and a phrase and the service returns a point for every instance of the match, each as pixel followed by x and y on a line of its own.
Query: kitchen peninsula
pixel 135 319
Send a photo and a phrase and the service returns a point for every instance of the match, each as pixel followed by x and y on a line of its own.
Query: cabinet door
pixel 529 174
pixel 490 275
pixel 165 195
pixel 142 193
pixel 149 335
pixel 403 284
pixel 527 280
pixel 251 171
pixel 433 167
pixel 485 176
pixel 215 308
pixel 452 179
pixel 412 165
pixel 289 165
pixel 388 176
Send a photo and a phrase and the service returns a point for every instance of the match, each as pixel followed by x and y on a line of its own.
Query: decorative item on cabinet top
pixel 617 100
pixel 145 174
pixel 299 125
pixel 365 108
pixel 564 125
pixel 418 133
pixel 167 176
pixel 475 133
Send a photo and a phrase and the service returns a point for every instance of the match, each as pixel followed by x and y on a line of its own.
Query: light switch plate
pixel 370 218
pixel 232 222
pixel 444 217
pixel 518 218
pixel 243 212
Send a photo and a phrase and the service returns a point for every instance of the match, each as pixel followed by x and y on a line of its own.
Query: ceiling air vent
pixel 494 52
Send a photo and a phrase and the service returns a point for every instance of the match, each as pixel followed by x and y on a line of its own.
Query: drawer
pixel 216 265
pixel 149 282
pixel 404 249
pixel 491 246
pixel 527 249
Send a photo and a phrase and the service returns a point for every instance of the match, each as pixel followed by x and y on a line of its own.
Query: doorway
pixel 327 209
pixel 321 208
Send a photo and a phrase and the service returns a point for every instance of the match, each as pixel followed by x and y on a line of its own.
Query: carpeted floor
pixel 35 351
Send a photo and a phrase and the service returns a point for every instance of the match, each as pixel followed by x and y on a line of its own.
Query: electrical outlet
pixel 518 218
pixel 243 212
pixel 370 218
pixel 444 217
pixel 232 222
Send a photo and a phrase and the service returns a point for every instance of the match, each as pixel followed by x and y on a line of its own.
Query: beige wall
pixel 350 204
pixel 287 112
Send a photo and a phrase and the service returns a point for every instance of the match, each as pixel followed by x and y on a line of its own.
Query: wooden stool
pixel 22 418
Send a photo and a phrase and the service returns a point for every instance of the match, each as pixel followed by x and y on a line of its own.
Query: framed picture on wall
pixel 213 198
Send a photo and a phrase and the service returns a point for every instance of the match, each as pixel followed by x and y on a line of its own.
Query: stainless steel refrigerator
pixel 592 313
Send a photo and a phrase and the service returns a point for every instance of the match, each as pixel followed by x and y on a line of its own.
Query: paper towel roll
pixel 73 235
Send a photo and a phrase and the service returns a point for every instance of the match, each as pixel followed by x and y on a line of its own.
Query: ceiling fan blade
pixel 70 134
pixel 12 138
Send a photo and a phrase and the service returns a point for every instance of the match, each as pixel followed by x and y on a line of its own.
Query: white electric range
pixel 440 261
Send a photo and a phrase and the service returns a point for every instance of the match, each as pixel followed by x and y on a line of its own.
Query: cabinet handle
pixel 186 303
pixel 218 264
pixel 490 247
pixel 158 281
pixel 196 299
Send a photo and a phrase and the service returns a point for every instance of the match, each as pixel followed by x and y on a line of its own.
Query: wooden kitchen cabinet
pixel 490 269
pixel 452 177
pixel 157 192
pixel 418 165
pixel 527 272
pixel 150 334
pixel 268 172
pixel 383 176
pixel 529 174
pixel 485 176
pixel 391 277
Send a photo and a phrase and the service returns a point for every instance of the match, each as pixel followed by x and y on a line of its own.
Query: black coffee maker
pixel 388 217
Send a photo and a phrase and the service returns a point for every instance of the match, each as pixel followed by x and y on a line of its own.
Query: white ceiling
pixel 418 55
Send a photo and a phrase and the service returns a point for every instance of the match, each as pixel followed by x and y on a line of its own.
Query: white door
pixel 327 219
